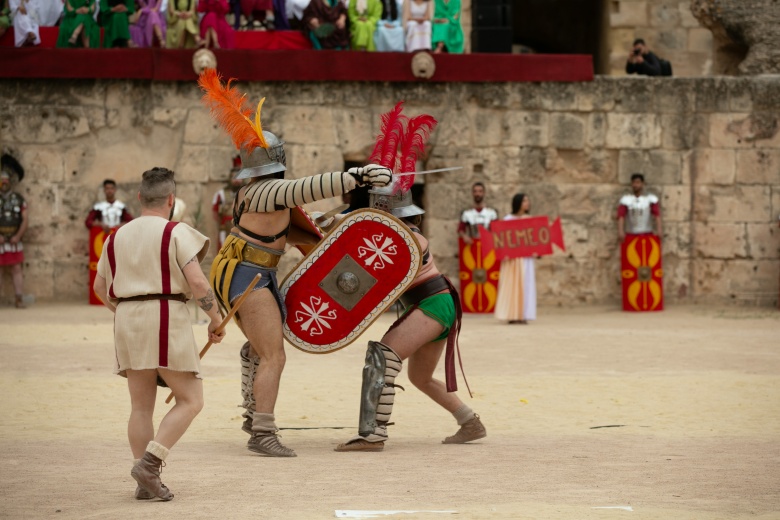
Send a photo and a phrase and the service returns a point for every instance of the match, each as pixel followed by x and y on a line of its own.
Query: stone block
pixel 454 129
pixel 674 96
pixel 526 129
pixel 585 167
pixel 597 130
pixel 43 124
pixel 170 117
pixel 488 128
pixel 689 64
pixel 635 93
pixel 589 204
pixel 201 129
pixel 194 165
pixel 490 95
pixel 303 161
pixel 442 235
pixel 39 277
pixel 759 129
pixel 766 92
pixel 720 240
pixel 658 166
pixel 740 95
pixel 700 40
pixel 567 131
pixel 712 95
pixel 597 95
pixel 763 240
pixel 45 162
pixel 684 131
pixel 775 204
pixel 529 96
pixel 72 281
pixel 668 42
pixel 633 131
pixel 220 162
pixel 306 125
pixel 715 166
pixel 677 279
pixel 676 241
pixel 733 204
pixel 686 15
pixel 664 15
pixel 562 96
pixel 741 281
pixel 178 94
pixel 676 203
pixel 629 14
pixel 356 135
pixel 758 166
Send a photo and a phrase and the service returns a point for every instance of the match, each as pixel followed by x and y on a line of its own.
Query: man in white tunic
pixel 148 270
pixel 26 20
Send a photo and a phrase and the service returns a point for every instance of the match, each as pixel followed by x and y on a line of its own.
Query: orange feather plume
pixel 226 106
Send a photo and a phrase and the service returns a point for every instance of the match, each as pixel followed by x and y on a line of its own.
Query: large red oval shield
pixel 358 270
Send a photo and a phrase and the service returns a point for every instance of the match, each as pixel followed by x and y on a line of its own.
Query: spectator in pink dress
pixel 150 26
pixel 258 13
pixel 214 29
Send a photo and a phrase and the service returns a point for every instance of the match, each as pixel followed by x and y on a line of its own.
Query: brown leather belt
pixel 259 257
pixel 430 287
pixel 148 297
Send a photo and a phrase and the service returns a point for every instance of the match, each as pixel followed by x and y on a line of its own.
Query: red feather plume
pixel 390 136
pixel 418 129
pixel 226 105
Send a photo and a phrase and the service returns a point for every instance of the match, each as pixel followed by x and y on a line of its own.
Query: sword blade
pixel 424 172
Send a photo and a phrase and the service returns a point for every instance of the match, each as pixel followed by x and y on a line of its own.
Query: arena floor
pixel 667 415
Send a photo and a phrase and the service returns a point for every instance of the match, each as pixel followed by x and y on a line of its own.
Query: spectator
pixel 417 23
pixel 50 12
pixel 447 32
pixel 114 19
pixel 25 16
pixel 5 20
pixel 477 216
pixel 214 29
pixel 78 27
pixel 363 16
pixel 183 31
pixel 263 9
pixel 325 23
pixel 642 61
pixel 109 214
pixel 389 35
pixel 295 9
pixel 13 224
pixel 150 25
pixel 517 279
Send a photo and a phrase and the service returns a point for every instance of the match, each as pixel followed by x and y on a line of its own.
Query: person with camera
pixel 642 61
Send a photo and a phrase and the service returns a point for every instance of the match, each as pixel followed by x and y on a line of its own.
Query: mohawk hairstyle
pixel 226 105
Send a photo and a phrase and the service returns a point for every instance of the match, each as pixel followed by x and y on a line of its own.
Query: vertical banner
pixel 479 270
pixel 96 238
pixel 642 274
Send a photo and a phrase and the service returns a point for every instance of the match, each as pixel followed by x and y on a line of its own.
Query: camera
pixel 637 52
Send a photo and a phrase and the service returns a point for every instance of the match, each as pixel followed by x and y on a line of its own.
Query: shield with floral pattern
pixel 354 274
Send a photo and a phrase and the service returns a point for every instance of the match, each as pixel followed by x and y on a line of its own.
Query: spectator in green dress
pixel 114 19
pixel 78 27
pixel 447 31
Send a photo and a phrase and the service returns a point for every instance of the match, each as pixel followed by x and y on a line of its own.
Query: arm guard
pixel 277 194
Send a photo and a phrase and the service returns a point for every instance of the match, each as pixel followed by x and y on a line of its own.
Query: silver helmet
pixel 263 162
pixel 391 199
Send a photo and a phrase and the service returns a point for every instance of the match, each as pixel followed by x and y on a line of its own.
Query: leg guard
pixel 378 392
pixel 249 363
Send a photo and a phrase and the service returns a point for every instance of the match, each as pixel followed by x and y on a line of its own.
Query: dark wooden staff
pixel 226 320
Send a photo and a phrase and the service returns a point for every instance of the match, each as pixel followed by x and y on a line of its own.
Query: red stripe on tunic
pixel 165 267
pixel 111 264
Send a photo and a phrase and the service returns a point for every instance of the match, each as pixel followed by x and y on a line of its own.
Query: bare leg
pixel 262 325
pixel 75 36
pixel 143 391
pixel 421 366
pixel 18 279
pixel 188 391
pixel 416 331
pixel 158 34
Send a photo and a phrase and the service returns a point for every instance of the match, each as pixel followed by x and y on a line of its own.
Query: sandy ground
pixel 692 396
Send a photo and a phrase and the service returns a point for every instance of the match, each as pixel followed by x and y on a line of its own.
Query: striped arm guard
pixel 378 392
pixel 277 194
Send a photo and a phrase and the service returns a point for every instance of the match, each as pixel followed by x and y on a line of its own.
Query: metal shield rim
pixel 297 272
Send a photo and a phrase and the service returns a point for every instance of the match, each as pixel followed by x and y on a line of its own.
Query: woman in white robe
pixel 389 35
pixel 516 300
pixel 417 22
pixel 26 19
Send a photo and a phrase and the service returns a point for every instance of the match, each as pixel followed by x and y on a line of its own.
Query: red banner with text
pixel 523 237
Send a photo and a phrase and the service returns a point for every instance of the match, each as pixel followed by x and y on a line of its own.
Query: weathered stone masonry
pixel 709 147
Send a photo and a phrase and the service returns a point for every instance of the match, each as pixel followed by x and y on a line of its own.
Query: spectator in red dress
pixel 214 29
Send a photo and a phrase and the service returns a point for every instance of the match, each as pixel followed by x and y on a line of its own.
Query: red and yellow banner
pixel 96 238
pixel 479 270
pixel 642 274
pixel 523 237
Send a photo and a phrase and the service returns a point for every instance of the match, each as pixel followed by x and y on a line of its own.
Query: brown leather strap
pixel 429 287
pixel 148 297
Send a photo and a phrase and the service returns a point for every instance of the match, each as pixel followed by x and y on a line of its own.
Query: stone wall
pixel 668 27
pixel 709 147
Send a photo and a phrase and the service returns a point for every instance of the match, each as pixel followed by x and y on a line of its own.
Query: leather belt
pixel 428 288
pixel 148 297
pixel 259 257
